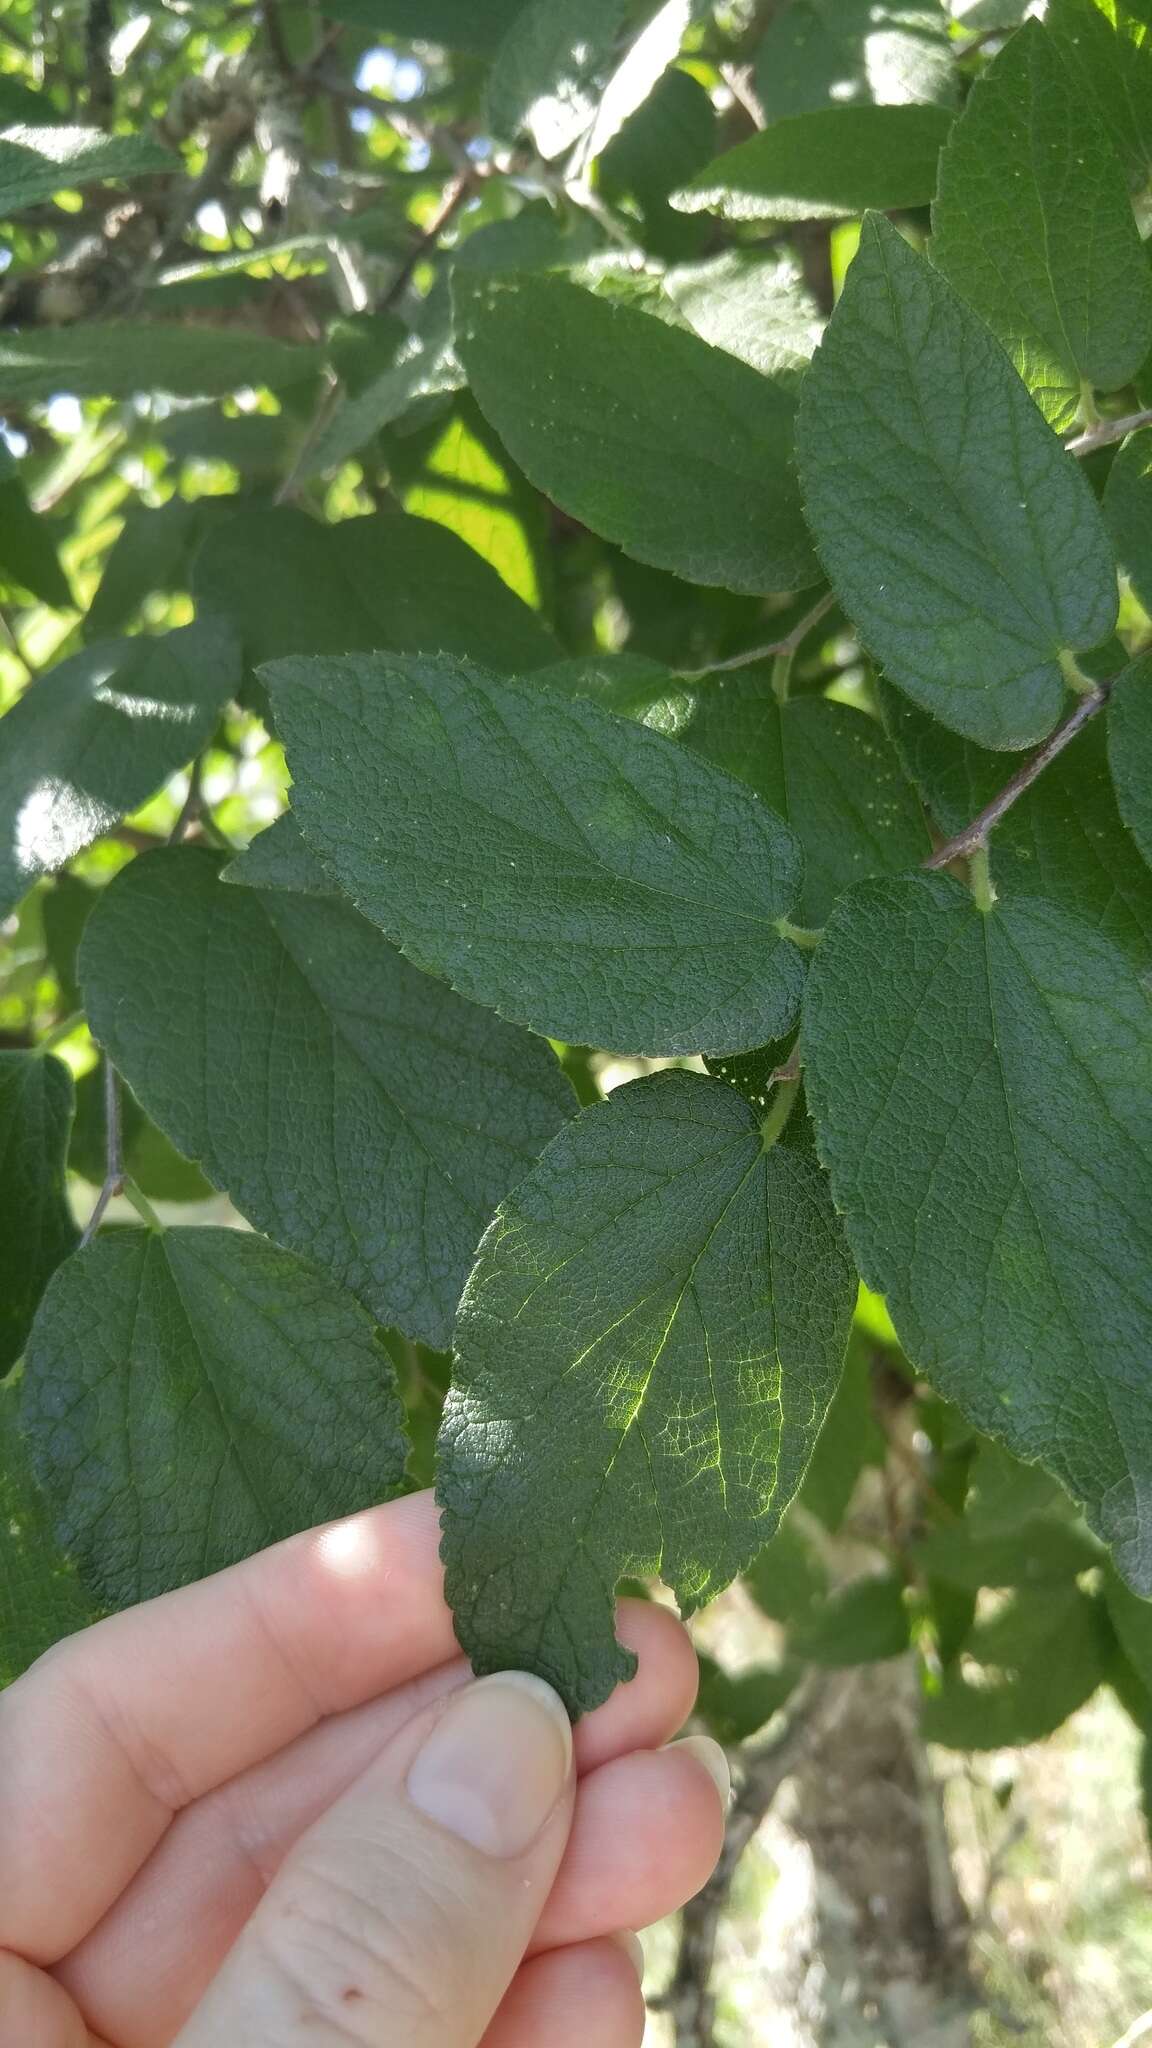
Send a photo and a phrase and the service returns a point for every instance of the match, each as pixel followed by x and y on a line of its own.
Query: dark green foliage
pixel 35 1112
pixel 635 1399
pixel 572 592
pixel 396 1116
pixel 637 907
pixel 191 1396
pixel 98 735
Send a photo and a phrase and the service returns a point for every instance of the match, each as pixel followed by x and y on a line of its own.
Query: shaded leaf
pixel 281 858
pixel 1033 226
pixel 98 735
pixel 194 1395
pixel 549 70
pixel 573 871
pixel 787 1580
pixel 637 1399
pixel 671 448
pixel 819 53
pixel 864 1622
pixel 963 542
pixel 36 162
pixel 27 550
pixel 980 1085
pixel 150 553
pixel 736 1705
pixel 354 1109
pixel 1045 1656
pixel 41 1598
pixel 116 359
pixel 292 586
pixel 1064 839
pixel 35 1113
pixel 821 166
pixel 1130 751
pixel 1128 508
pixel 1111 54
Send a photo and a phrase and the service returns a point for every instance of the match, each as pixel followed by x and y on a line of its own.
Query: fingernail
pixel 633 1948
pixel 715 1762
pixel 496 1763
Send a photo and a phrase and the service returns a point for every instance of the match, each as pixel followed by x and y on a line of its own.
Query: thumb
pixel 402 1915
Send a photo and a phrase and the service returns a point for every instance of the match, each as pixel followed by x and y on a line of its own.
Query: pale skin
pixel 272 1810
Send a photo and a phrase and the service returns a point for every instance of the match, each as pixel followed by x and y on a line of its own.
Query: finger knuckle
pixel 354 1962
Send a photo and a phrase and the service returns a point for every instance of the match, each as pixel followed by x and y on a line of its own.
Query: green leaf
pixel 653 439
pixel 35 1113
pixel 1130 751
pixel 850 1439
pixel 1045 1655
pixel 1110 54
pixel 292 586
pixel 573 871
pixel 981 1089
pixel 1131 1618
pixel 787 1580
pixel 37 162
pixel 149 553
pixel 27 551
pixel 963 542
pixel 650 1337
pixel 829 770
pixel 549 70
pixel 751 303
pixel 864 1622
pixel 281 858
pixel 819 53
pixel 41 1598
pixel 426 366
pixel 98 735
pixel 118 359
pixel 824 165
pixel 661 146
pixel 64 909
pixel 356 1111
pixel 736 1705
pixel 19 106
pixel 460 24
pixel 1034 227
pixel 1032 1554
pixel 194 1395
pixel 1064 839
pixel 158 1169
pixel 637 78
pixel 1128 509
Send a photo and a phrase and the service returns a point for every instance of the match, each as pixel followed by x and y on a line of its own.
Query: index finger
pixel 118 1728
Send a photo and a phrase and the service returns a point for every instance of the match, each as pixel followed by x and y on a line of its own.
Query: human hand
pixel 272 1809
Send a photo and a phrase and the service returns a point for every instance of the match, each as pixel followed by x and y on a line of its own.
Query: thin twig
pixel 192 805
pixel 325 408
pixel 738 79
pixel 113 1183
pixel 974 836
pixel 816 1706
pixel 787 646
pixel 455 193
pixel 1106 431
